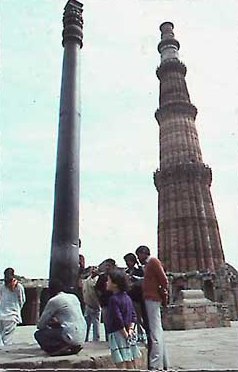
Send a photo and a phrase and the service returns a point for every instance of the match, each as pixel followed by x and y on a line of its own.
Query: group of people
pixel 127 300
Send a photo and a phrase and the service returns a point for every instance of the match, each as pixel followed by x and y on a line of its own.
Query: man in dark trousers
pixel 135 274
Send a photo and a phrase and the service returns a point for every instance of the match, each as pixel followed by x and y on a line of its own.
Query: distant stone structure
pixel 189 242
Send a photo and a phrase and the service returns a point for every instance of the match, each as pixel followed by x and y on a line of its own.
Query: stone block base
pixel 193 311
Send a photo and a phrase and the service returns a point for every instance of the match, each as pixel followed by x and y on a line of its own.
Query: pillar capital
pixel 73 23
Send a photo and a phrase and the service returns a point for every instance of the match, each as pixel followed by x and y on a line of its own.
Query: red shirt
pixel 154 276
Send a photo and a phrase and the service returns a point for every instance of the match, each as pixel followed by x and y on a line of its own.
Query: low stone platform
pixel 192 350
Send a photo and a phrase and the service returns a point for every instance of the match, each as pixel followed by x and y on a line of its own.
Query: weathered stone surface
pixel 196 349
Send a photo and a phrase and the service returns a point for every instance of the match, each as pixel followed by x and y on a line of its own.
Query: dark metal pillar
pixel 65 236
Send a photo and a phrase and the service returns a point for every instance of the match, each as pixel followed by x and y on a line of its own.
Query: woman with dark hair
pixel 12 299
pixel 121 322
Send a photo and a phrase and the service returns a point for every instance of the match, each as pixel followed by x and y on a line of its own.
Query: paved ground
pixel 204 349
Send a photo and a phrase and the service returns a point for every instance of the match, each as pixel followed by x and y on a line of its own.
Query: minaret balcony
pixel 165 43
pixel 171 65
pixel 174 108
pixel 188 172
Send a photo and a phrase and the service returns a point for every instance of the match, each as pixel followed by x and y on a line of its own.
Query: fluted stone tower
pixel 189 243
pixel 188 232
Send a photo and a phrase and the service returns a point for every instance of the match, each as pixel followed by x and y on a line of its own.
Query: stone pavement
pixel 198 349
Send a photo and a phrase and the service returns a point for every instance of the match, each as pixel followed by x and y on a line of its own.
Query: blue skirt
pixel 122 350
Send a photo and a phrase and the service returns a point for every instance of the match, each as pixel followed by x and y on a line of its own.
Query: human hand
pixel 131 331
pixel 132 337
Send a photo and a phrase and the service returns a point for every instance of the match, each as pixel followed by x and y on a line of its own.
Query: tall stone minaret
pixel 188 233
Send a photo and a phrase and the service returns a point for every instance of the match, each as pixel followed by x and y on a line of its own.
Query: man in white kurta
pixel 12 299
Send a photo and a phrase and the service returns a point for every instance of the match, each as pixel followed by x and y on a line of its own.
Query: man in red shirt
pixel 155 285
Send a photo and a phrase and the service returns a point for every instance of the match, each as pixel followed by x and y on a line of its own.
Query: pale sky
pixel 119 134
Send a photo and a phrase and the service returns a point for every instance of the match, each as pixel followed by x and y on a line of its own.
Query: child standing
pixel 120 322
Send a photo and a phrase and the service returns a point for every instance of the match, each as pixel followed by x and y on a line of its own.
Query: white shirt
pixel 11 303
pixel 66 308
